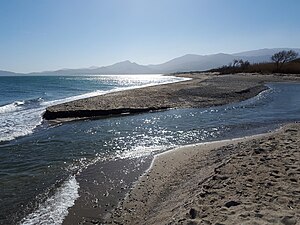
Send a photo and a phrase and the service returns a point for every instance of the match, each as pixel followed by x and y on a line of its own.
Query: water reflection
pixel 38 161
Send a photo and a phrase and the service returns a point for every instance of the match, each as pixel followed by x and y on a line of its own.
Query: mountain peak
pixel 188 62
pixel 125 62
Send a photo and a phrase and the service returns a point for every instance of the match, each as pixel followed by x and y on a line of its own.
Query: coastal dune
pixel 252 180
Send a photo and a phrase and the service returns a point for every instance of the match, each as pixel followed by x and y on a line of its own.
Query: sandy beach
pixel 203 90
pixel 251 180
pixel 134 112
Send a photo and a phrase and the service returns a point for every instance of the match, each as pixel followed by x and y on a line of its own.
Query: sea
pixel 40 162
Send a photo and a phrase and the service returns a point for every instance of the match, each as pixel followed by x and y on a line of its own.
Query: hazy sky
pixel 51 34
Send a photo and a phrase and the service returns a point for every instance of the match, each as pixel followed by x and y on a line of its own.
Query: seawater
pixel 24 98
pixel 38 171
pixel 24 182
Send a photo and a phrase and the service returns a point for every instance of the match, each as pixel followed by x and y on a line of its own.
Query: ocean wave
pixel 18 105
pixel 11 107
pixel 55 208
pixel 20 118
pixel 34 101
pixel 19 123
pixel 72 98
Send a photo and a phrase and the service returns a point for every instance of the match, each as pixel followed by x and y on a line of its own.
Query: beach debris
pixel 259 150
pixel 193 213
pixel 232 203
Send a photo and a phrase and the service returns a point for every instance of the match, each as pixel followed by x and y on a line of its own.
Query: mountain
pixel 205 62
pixel 189 62
pixel 193 62
pixel 261 55
pixel 8 73
pixel 264 52
pixel 125 67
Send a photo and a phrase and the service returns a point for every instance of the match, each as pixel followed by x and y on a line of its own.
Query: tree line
pixel 277 65
pixel 282 57
pixel 279 59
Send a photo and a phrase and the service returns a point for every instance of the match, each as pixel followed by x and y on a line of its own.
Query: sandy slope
pixel 254 180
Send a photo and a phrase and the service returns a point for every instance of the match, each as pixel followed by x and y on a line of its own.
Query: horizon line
pixel 151 64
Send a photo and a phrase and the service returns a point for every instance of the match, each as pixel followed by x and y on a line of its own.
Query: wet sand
pixel 252 180
pixel 102 186
pixel 203 90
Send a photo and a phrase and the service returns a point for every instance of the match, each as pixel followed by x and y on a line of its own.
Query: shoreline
pixel 202 90
pixel 115 219
pixel 168 157
pixel 171 181
pixel 92 207
pixel 107 114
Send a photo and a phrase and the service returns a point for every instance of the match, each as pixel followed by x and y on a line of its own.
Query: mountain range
pixel 189 62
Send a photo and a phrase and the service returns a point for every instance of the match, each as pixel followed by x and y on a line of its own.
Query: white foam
pixel 73 98
pixel 11 107
pixel 17 121
pixel 55 209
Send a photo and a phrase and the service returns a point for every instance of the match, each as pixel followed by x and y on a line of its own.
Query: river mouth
pixel 43 162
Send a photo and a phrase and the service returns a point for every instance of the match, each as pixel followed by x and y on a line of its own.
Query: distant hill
pixel 261 55
pixel 205 62
pixel 125 67
pixel 264 52
pixel 8 73
pixel 189 62
pixel 193 62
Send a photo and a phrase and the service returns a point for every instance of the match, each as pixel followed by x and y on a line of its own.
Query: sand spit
pixel 204 90
pixel 254 180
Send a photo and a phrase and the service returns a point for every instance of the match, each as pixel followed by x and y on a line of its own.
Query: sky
pixel 41 35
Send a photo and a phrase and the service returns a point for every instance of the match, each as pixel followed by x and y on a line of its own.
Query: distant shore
pixel 252 180
pixel 203 90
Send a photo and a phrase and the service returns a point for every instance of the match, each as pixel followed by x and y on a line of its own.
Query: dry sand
pixel 204 90
pixel 253 180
